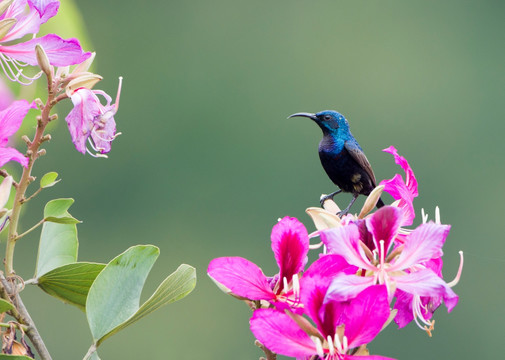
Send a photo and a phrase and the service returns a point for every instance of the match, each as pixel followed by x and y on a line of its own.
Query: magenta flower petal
pixel 410 178
pixel 279 333
pixel 10 121
pixel 344 241
pixel 367 357
pixel 290 244
pixel 60 52
pixel 242 277
pixel 26 23
pixel 384 225
pixel 80 119
pixel 404 306
pixel 6 96
pixel 46 8
pixel 427 283
pixel 423 244
pixel 325 315
pixel 365 315
pixel 11 154
pixel 345 287
pixel 405 191
pixel 89 118
pixel 328 266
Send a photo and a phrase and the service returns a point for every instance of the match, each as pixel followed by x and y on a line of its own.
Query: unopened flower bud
pixel 26 139
pixel 43 61
pixel 6 25
pixel 4 5
pixel 5 191
pixel 86 80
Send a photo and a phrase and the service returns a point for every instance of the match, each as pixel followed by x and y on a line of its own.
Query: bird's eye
pixel 327 117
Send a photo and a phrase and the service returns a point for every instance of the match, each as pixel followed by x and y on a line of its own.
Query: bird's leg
pixel 346 210
pixel 330 196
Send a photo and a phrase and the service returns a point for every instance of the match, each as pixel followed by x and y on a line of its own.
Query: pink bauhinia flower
pixel 290 244
pixel 404 268
pixel 91 121
pixel 341 328
pixel 23 17
pixel 403 190
pixel 10 121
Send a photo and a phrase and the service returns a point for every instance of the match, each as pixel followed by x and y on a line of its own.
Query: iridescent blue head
pixel 330 121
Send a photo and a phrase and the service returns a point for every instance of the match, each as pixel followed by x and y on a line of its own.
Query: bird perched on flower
pixel 342 158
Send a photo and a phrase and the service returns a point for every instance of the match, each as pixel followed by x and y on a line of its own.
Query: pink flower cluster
pixel 91 124
pixel 373 270
pixel 24 17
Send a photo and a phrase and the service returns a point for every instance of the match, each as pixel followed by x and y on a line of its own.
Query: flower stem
pixel 26 178
pixel 8 288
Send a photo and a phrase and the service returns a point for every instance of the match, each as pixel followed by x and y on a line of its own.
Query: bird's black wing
pixel 359 156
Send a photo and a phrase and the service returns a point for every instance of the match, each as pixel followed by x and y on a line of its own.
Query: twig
pixel 19 326
pixel 270 355
pixel 31 196
pixel 91 350
pixel 23 317
pixel 31 229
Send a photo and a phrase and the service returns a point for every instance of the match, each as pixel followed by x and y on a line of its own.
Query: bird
pixel 342 158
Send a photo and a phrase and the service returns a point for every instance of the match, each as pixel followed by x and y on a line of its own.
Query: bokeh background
pixel 208 161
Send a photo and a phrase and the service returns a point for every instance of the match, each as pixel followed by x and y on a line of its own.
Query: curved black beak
pixel 303 114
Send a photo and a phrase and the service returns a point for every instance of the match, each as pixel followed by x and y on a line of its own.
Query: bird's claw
pixel 324 198
pixel 328 197
pixel 342 213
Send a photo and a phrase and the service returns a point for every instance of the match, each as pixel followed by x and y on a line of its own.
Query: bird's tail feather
pixel 380 203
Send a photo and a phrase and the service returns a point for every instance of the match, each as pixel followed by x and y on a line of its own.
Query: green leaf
pixel 71 283
pixel 58 242
pixel 115 294
pixel 5 306
pixel 62 220
pixel 49 180
pixel 176 286
pixel 113 300
pixel 57 207
pixel 14 357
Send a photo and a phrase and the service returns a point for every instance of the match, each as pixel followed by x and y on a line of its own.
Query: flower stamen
pixel 330 345
pixel 319 346
pixel 460 270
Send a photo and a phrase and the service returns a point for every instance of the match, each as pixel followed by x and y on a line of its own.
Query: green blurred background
pixel 207 161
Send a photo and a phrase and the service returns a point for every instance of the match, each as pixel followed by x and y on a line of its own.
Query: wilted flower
pixel 91 121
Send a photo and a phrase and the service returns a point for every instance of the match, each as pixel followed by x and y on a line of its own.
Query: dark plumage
pixel 342 158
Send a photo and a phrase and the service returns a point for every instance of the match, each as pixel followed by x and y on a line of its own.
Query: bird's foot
pixel 342 213
pixel 328 197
